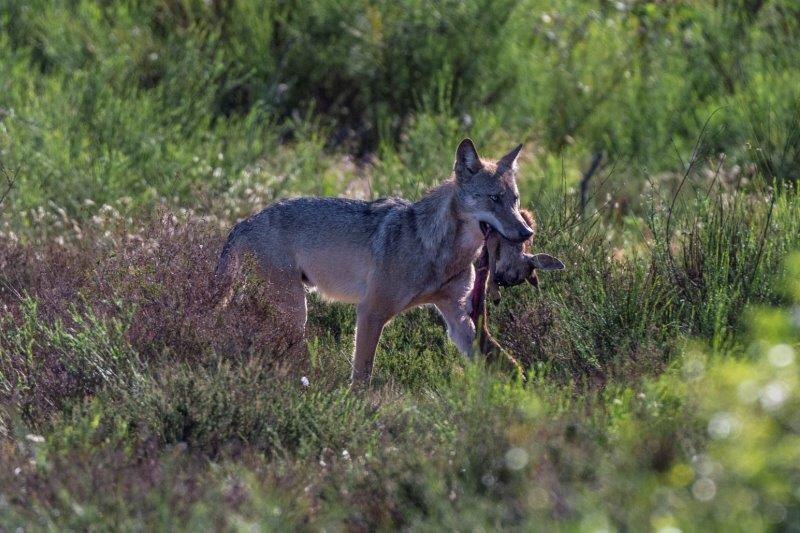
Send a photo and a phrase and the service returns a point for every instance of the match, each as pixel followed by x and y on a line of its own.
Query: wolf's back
pixel 308 223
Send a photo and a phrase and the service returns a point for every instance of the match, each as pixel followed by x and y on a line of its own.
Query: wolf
pixel 504 263
pixel 385 256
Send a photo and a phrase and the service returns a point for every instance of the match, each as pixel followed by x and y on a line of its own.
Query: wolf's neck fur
pixel 436 218
pixel 448 239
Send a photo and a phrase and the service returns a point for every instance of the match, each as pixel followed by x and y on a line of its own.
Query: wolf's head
pixel 510 263
pixel 487 191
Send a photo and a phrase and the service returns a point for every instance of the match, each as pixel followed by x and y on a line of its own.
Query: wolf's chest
pixel 470 240
pixel 466 248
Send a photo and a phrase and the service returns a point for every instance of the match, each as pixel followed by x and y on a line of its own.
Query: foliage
pixel 139 99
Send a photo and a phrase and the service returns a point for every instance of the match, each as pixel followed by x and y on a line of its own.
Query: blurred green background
pixel 139 98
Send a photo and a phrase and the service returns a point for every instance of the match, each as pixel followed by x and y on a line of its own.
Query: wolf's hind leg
pixel 288 299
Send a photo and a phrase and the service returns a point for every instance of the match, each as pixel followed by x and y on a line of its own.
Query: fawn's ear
pixel 546 262
pixel 509 161
pixel 467 160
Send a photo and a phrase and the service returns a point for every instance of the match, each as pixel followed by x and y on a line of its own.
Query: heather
pixel 661 162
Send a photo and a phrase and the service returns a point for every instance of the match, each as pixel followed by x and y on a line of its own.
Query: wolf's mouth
pixel 485 229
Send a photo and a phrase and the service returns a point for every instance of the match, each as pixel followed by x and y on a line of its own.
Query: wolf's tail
pixel 225 256
pixel 225 287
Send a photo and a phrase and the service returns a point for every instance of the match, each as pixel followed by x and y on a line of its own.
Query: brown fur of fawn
pixel 504 263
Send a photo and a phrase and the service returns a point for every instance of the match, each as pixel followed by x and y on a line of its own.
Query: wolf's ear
pixel 546 262
pixel 467 160
pixel 509 161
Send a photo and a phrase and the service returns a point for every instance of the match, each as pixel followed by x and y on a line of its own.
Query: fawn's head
pixel 510 263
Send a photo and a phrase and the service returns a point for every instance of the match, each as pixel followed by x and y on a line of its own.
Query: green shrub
pixel 44 366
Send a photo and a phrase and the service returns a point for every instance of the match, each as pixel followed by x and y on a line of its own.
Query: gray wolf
pixel 504 263
pixel 386 255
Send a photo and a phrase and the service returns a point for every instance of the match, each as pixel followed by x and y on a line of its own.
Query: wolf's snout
pixel 523 234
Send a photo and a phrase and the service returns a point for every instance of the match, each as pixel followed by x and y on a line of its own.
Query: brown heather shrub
pixel 526 328
pixel 180 478
pixel 162 275
pixel 165 275
pixel 90 310
pixel 50 272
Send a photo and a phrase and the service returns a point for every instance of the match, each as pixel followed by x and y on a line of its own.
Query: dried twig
pixel 687 173
pixel 587 176
pixel 10 179
pixel 570 220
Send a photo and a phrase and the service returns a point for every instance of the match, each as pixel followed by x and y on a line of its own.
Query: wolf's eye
pixel 494 198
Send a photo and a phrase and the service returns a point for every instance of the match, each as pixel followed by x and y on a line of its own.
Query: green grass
pixel 662 365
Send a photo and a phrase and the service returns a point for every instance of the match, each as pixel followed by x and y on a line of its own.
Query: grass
pixel 662 385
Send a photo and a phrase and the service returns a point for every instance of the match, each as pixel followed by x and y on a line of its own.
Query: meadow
pixel 662 157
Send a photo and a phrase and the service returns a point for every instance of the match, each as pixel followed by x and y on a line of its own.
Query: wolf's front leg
pixel 460 327
pixel 369 326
